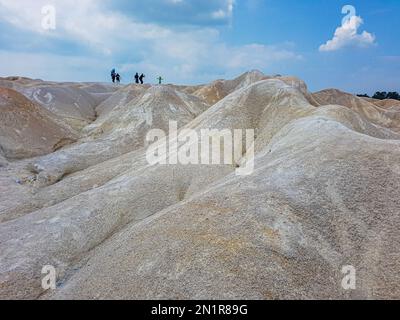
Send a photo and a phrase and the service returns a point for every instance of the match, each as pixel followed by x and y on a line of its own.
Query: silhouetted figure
pixel 113 74
pixel 118 78
pixel 137 78
pixel 160 79
pixel 142 76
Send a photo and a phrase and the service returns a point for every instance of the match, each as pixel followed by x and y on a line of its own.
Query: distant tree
pixel 380 95
pixel 386 95
pixel 393 95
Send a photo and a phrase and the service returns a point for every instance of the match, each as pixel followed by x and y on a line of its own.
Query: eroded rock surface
pixel 325 193
pixel 27 130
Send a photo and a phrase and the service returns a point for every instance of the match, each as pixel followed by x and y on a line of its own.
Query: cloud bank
pixel 178 39
pixel 347 36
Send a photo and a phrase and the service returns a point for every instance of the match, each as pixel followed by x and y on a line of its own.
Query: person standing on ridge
pixel 160 79
pixel 118 78
pixel 142 76
pixel 137 78
pixel 113 74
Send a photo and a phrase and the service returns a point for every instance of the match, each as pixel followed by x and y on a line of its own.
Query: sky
pixel 350 45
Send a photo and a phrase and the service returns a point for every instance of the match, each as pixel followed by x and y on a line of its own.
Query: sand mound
pixel 121 97
pixel 98 91
pixel 324 194
pixel 121 130
pixel 27 130
pixel 386 104
pixel 371 111
pixel 221 88
pixel 75 104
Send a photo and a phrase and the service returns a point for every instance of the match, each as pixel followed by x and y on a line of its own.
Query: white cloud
pixel 53 66
pixel 347 35
pixel 180 54
pixel 177 12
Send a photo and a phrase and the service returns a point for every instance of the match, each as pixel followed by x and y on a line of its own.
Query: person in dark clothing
pixel 137 78
pixel 113 74
pixel 142 76
pixel 118 78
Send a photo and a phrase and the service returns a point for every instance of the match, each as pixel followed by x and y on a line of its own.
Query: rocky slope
pixel 324 194
pixel 121 130
pixel 74 103
pixel 27 130
pixel 219 89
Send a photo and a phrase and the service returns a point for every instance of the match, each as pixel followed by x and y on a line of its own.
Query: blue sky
pixel 196 41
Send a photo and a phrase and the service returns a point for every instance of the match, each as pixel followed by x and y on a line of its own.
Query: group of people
pixel 138 78
pixel 115 76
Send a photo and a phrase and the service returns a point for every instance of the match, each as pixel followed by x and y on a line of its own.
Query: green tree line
pixel 382 95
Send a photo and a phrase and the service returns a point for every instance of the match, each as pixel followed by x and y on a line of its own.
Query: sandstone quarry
pixel 77 193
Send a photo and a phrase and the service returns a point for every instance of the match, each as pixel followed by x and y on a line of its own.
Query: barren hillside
pixel 325 192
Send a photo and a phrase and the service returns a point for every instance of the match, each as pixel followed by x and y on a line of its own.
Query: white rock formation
pixel 75 103
pixel 325 193
pixel 28 130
